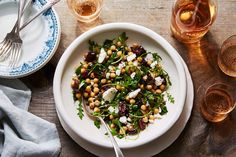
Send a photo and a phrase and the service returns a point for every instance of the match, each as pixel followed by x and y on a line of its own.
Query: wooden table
pixel 199 138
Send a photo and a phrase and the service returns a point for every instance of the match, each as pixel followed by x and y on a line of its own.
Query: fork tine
pixel 15 55
pixel 5 51
pixel 12 54
pixel 18 54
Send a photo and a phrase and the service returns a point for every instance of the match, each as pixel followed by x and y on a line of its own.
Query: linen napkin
pixel 23 134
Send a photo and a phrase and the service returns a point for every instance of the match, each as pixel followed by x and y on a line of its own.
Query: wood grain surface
pixel 200 138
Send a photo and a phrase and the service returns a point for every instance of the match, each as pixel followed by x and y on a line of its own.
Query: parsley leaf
pixel 80 110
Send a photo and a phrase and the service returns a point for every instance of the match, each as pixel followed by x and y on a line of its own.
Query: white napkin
pixel 23 134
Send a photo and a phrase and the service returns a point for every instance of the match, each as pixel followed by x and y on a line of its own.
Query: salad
pixel 124 84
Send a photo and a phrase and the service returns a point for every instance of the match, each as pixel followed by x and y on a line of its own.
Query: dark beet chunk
pixel 139 50
pixel 123 109
pixel 141 124
pixel 91 56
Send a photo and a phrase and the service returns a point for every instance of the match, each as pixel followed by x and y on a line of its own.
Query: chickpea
pixel 119 53
pixel 149 62
pixel 92 75
pixel 111 117
pixel 145 77
pixel 90 99
pixel 107 57
pixel 140 59
pixel 96 90
pixel 130 127
pixel 143 107
pixel 95 85
pixel 91 105
pixel 88 81
pixel 125 128
pixel 109 52
pixel 142 86
pixel 127 98
pixel 113 47
pixel 119 43
pixel 123 70
pixel 109 81
pixel 103 81
pixel 78 95
pixel 127 49
pixel 131 101
pixel 122 132
pixel 156 111
pixel 149 87
pixel 113 75
pixel 130 53
pixel 145 119
pixel 92 94
pixel 88 89
pixel 118 87
pixel 83 70
pixel 124 58
pixel 130 63
pixel 96 109
pixel 96 80
pixel 112 125
pixel 122 88
pixel 86 94
pixel 85 65
pixel 151 117
pixel 158 91
pixel 162 87
pixel 97 103
pixel 135 44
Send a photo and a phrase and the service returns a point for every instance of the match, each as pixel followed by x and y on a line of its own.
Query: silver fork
pixel 13 36
pixel 116 147
pixel 15 51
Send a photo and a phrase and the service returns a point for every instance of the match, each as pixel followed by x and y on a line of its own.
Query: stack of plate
pixel 157 136
pixel 40 38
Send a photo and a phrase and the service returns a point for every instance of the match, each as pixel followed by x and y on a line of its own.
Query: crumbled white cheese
pixel 133 75
pixel 153 64
pixel 110 67
pixel 131 57
pixel 151 121
pixel 123 119
pixel 165 97
pixel 158 81
pixel 121 65
pixel 129 119
pixel 149 57
pixel 116 110
pixel 134 93
pixel 111 109
pixel 118 72
pixel 147 104
pixel 135 63
pixel 102 55
pixel 108 75
pixel 109 94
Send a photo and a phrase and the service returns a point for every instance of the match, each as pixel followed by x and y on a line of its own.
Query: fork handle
pixel 48 5
pixel 117 149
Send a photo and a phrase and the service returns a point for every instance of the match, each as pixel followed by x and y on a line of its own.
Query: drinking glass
pixel 219 101
pixel 227 56
pixel 191 19
pixel 85 10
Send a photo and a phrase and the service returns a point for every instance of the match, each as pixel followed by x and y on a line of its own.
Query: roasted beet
pixel 75 84
pixel 132 132
pixel 123 109
pixel 150 79
pixel 141 124
pixel 84 75
pixel 90 57
pixel 138 50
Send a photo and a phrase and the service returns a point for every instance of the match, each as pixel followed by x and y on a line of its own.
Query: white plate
pixel 153 147
pixel 40 38
pixel 151 42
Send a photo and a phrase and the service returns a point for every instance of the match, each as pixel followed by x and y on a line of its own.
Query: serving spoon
pixel 116 147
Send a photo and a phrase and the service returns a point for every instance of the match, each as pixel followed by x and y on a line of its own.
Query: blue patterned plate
pixel 40 38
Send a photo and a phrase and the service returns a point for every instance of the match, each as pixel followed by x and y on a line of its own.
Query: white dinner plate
pixel 153 147
pixel 73 55
pixel 40 38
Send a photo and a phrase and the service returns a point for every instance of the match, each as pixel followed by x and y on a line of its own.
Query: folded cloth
pixel 23 134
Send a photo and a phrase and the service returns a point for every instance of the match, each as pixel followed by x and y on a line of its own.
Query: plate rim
pixel 129 26
pixel 8 75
